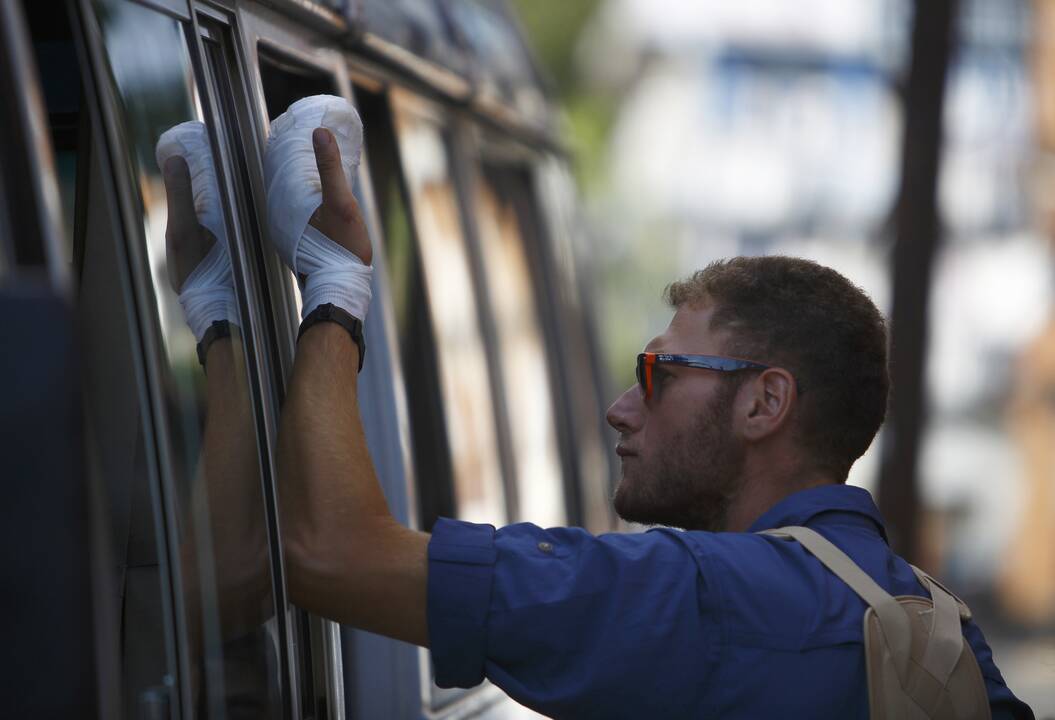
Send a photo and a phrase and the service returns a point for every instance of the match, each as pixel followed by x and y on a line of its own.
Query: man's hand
pixel 339 216
pixel 187 241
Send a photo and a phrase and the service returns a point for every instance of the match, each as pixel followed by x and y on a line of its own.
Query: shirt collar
pixel 799 507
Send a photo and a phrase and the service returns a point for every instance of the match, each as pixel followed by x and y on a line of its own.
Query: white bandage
pixel 294 191
pixel 190 141
pixel 335 275
pixel 207 294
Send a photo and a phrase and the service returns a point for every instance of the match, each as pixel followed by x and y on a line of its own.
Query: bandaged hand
pixel 195 237
pixel 316 223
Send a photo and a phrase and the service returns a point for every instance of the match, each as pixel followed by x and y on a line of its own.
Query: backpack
pixel 917 662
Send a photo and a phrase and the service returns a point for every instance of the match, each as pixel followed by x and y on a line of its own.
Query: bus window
pixel 420 345
pixel 285 81
pixel 580 368
pixel 522 347
pixel 479 493
pixel 428 441
pixel 207 443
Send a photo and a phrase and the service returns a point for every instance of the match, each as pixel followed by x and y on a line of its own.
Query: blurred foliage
pixel 629 276
pixel 553 29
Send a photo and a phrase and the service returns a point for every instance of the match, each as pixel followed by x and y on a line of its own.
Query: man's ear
pixel 770 399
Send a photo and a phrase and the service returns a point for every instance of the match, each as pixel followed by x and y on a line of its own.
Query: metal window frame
pixel 276 285
pixel 377 63
pixel 259 344
pixel 254 27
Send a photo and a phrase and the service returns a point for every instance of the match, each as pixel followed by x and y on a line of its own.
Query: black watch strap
pixel 331 313
pixel 218 329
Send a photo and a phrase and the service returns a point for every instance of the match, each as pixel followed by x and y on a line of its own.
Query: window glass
pixel 210 456
pixel 478 489
pixel 115 451
pixel 583 379
pixel 413 327
pixel 525 374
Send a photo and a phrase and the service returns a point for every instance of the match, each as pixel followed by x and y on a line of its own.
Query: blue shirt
pixel 667 623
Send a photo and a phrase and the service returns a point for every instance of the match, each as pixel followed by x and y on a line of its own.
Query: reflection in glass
pixel 479 493
pixel 212 457
pixel 525 375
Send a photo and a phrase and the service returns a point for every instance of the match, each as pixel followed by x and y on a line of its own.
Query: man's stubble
pixel 691 481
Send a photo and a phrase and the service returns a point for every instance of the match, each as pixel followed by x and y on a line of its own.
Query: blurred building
pixel 1029 571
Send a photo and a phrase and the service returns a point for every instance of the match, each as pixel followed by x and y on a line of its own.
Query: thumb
pixel 335 190
pixel 339 216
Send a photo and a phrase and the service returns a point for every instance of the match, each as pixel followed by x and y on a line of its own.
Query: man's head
pixel 685 450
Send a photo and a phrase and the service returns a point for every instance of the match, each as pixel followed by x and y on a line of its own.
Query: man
pixel 750 409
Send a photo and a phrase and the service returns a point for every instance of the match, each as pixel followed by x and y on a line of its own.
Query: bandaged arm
pixel 207 293
pixel 347 558
pixel 294 196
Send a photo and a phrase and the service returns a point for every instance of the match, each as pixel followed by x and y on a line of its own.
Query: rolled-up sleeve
pixel 461 568
pixel 569 623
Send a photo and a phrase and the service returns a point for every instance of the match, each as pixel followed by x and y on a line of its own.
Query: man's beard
pixel 693 479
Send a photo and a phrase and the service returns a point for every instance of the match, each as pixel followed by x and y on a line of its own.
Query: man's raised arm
pixel 347 558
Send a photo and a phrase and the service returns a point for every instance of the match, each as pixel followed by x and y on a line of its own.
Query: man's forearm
pixel 347 557
pixel 231 481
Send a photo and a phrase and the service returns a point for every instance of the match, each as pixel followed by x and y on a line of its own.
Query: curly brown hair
pixel 809 319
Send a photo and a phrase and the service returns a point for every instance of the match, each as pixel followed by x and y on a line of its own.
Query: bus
pixel 145 575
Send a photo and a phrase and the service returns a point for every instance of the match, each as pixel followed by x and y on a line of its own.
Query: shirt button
pixel 545 547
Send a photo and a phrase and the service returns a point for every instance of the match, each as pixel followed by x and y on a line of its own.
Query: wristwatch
pixel 329 312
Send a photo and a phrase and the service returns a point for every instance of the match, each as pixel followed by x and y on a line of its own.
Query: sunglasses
pixel 647 361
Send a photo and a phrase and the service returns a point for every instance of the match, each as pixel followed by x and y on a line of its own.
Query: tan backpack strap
pixel 924 579
pixel 945 643
pixel 946 639
pixel 892 618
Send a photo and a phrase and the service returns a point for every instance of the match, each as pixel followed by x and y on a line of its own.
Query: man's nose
pixel 625 413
